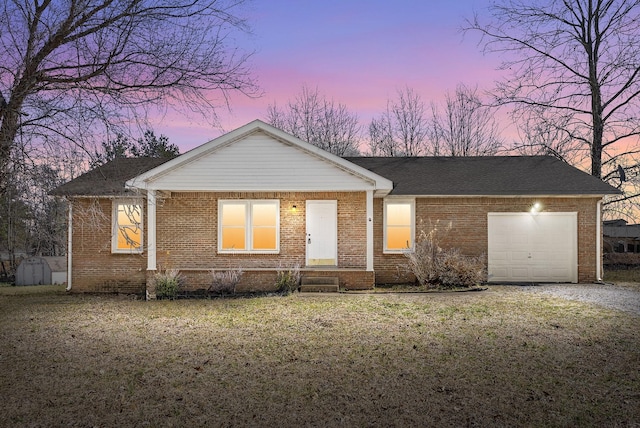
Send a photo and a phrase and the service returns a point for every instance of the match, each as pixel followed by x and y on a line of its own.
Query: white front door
pixel 322 233
pixel 526 247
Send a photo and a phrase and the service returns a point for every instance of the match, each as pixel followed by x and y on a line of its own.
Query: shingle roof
pixel 429 176
pixel 108 179
pixel 486 175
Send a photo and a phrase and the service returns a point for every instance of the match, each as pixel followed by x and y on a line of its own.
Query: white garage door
pixel 526 247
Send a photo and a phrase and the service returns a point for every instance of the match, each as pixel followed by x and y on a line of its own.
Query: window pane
pixel 233 238
pixel 249 225
pixel 128 238
pixel 233 214
pixel 399 238
pixel 398 214
pixel 129 227
pixel 264 214
pixel 264 238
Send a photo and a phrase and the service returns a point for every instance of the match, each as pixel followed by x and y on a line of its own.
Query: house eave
pixel 167 193
pixel 123 195
pixel 521 195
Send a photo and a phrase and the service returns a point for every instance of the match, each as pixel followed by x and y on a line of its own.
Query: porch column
pixel 598 241
pixel 370 230
pixel 151 230
pixel 70 244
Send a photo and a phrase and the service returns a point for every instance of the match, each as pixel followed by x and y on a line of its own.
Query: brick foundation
pixel 256 280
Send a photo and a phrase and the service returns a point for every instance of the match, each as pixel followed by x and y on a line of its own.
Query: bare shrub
pixel 424 260
pixel 435 267
pixel 287 279
pixel 622 259
pixel 224 282
pixel 459 270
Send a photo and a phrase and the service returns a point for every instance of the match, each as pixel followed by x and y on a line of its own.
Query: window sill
pixel 140 251
pixel 247 252
pixel 397 251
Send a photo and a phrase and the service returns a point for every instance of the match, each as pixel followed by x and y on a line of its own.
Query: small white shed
pixel 42 271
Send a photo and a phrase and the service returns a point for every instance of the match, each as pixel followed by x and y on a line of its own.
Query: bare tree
pixel 381 136
pixel 47 230
pixel 543 133
pixel 577 62
pixel 465 127
pixel 401 130
pixel 74 68
pixel 15 222
pixel 318 121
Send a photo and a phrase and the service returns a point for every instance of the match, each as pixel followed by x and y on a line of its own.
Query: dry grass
pixel 622 275
pixel 497 357
pixel 12 290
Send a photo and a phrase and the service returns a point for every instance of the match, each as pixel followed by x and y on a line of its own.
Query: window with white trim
pixel 399 225
pixel 127 227
pixel 251 226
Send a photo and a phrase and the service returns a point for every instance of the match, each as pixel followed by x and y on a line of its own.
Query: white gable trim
pixel 370 180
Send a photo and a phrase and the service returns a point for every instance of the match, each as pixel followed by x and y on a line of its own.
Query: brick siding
pixel 468 219
pixel 95 268
pixel 187 239
pixel 187 230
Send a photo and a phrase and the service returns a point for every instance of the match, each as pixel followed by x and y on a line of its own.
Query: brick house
pixel 259 198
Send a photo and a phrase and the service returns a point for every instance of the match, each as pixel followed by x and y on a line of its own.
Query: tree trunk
pixel 592 45
pixel 8 131
pixel 596 148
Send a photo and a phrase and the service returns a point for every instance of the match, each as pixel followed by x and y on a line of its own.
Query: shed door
pixel 322 233
pixel 32 271
pixel 526 247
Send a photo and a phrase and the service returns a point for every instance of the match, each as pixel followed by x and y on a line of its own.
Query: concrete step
pixel 322 284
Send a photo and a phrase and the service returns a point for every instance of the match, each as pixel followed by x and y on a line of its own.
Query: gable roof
pixel 260 157
pixel 108 179
pixel 484 176
pixel 409 176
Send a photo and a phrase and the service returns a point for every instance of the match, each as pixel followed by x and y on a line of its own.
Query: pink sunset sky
pixel 357 52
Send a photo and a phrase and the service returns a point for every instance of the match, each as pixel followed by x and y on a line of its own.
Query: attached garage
pixel 533 247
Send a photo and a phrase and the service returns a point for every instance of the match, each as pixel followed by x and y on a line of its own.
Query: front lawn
pixel 497 357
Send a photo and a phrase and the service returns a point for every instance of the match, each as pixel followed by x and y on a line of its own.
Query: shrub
pixel 224 282
pixel 287 280
pixel 168 283
pixel 435 267
pixel 423 260
pixel 459 270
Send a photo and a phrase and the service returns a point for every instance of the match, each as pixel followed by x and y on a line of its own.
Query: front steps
pixel 322 284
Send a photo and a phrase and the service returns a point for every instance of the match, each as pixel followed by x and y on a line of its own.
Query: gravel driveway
pixel 624 298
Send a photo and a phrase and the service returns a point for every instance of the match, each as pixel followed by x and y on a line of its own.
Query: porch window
pixel 248 226
pixel 399 225
pixel 127 227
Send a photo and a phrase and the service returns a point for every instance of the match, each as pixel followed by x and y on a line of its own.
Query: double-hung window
pixel 249 226
pixel 399 225
pixel 127 227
